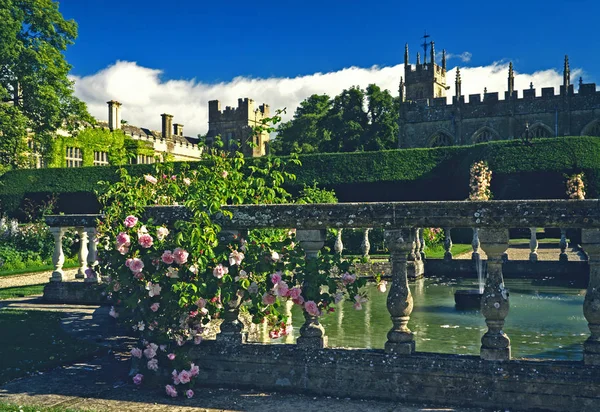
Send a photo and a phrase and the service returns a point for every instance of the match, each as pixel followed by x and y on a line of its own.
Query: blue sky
pixel 181 44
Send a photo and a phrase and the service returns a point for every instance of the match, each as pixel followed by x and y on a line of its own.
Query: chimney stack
pixel 178 129
pixel 167 126
pixel 114 115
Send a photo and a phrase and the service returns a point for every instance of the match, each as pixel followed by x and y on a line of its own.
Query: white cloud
pixel 145 95
pixel 464 56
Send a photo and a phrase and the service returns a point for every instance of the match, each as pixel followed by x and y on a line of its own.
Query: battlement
pixel 245 111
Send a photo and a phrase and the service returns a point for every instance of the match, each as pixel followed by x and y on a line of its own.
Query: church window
pixel 440 139
pixel 485 135
pixel 74 157
pixel 538 132
pixel 594 130
pixel 100 158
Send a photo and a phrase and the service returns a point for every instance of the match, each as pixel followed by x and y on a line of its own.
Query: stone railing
pixel 574 385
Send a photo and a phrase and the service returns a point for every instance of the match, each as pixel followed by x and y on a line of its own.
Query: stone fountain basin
pixel 468 299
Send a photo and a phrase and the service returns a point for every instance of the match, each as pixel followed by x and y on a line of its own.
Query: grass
pixel 38 268
pixel 540 241
pixel 33 341
pixel 10 407
pixel 437 252
pixel 21 291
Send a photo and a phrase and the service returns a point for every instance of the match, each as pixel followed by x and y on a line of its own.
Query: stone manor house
pixel 427 120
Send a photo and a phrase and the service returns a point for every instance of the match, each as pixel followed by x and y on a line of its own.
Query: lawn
pixel 21 291
pixel 33 341
pixel 8 407
pixel 38 268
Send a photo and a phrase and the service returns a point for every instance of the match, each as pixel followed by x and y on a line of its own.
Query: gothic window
pixel 485 135
pixel 594 130
pixel 100 158
pixel 440 139
pixel 74 157
pixel 539 132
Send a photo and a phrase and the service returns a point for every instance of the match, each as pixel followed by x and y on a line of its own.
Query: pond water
pixel 545 321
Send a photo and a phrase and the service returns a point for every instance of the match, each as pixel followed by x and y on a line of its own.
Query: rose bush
pixel 480 181
pixel 169 282
pixel 575 186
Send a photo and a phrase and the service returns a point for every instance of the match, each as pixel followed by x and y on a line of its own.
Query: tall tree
pixel 33 69
pixel 382 111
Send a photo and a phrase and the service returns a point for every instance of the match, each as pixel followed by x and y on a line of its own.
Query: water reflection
pixel 545 320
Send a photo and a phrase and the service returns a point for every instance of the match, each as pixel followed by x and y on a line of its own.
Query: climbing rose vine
pixel 169 281
pixel 575 186
pixel 480 180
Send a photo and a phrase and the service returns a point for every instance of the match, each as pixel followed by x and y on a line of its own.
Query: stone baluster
pixel 417 250
pixel 231 328
pixel 448 243
pixel 92 257
pixel 533 245
pixel 312 333
pixel 338 246
pixel 58 258
pixel 563 257
pixel 366 245
pixel 590 239
pixel 495 344
pixel 422 239
pixel 475 245
pixel 83 252
pixel 400 339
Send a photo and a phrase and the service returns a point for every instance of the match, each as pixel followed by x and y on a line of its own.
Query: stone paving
pixel 32 278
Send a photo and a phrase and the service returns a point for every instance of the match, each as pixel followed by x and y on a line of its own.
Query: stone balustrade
pixel 388 372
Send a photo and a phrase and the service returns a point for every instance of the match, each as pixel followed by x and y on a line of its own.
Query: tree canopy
pixel 354 120
pixel 34 84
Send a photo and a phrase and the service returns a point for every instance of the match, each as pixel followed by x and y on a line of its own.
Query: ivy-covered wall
pixel 119 147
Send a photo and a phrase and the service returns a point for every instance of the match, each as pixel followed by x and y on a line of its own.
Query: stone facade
pixel 234 125
pixel 427 120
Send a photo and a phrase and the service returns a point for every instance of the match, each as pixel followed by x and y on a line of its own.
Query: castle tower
pixel 425 80
pixel 566 73
pixel 458 84
pixel 511 79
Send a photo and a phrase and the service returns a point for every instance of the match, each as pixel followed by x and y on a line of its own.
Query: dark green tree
pixel 382 111
pixel 33 69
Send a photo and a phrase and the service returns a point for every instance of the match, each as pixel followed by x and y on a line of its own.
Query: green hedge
pixel 519 171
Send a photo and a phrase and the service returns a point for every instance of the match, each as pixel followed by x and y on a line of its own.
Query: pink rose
pixel 153 364
pixel 167 257
pixel 311 308
pixel 224 174
pixel 189 393
pixel 185 376
pixel 359 300
pixel 281 288
pixel 137 379
pixel 113 313
pixel 122 249
pixel 153 289
pixel 128 262
pixel 145 240
pixel 154 307
pixel 348 279
pixel 130 221
pixel 219 271
pixel 268 299
pixel 123 239
pixel 299 300
pixel 295 293
pixel 150 179
pixel 171 356
pixel 171 391
pixel 194 370
pixel 276 278
pixel 149 352
pixel 161 233
pixel 175 377
pixel 235 258
pixel 136 352
pixel 136 265
pixel 180 256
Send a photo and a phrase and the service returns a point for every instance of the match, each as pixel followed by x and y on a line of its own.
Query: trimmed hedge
pixel 523 171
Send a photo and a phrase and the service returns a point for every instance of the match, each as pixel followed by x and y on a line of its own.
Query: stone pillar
pixel 400 339
pixel 563 257
pixel 448 243
pixel 83 252
pixel 495 345
pixel 366 245
pixel 590 239
pixel 312 333
pixel 533 245
pixel 58 258
pixel 92 257
pixel 338 246
pixel 422 239
pixel 475 244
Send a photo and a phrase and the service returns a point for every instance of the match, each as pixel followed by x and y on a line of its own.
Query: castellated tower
pixel 235 126
pixel 425 80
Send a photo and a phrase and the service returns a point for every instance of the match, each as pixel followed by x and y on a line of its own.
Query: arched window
pixel 539 132
pixel 483 135
pixel 440 139
pixel 593 129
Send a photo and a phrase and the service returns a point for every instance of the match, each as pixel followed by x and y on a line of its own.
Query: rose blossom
pixel 128 262
pixel 175 377
pixel 123 239
pixel 187 181
pixel 274 256
pixel 136 352
pixel 113 312
pixel 167 257
pixel 184 376
pixel 224 174
pixel 268 299
pixel 299 300
pixel 295 292
pixel 348 279
pixel 281 289
pixel 382 286
pixel 153 364
pixel 145 240
pixel 253 288
pixel 154 307
pixel 150 179
pixel 161 233
pixel 171 391
pixel 130 221
pixel 123 249
pixel 194 370
pixel 311 308
pixel 189 393
pixel 137 379
pixel 235 258
pixel 149 352
pixel 219 271
pixel 359 301
pixel 171 356
pixel 136 265
pixel 276 278
pixel 180 256
pixel 153 289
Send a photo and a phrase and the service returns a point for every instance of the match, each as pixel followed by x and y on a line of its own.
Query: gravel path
pixel 32 278
pixel 545 252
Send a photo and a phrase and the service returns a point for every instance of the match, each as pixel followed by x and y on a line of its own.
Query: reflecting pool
pixel 545 321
